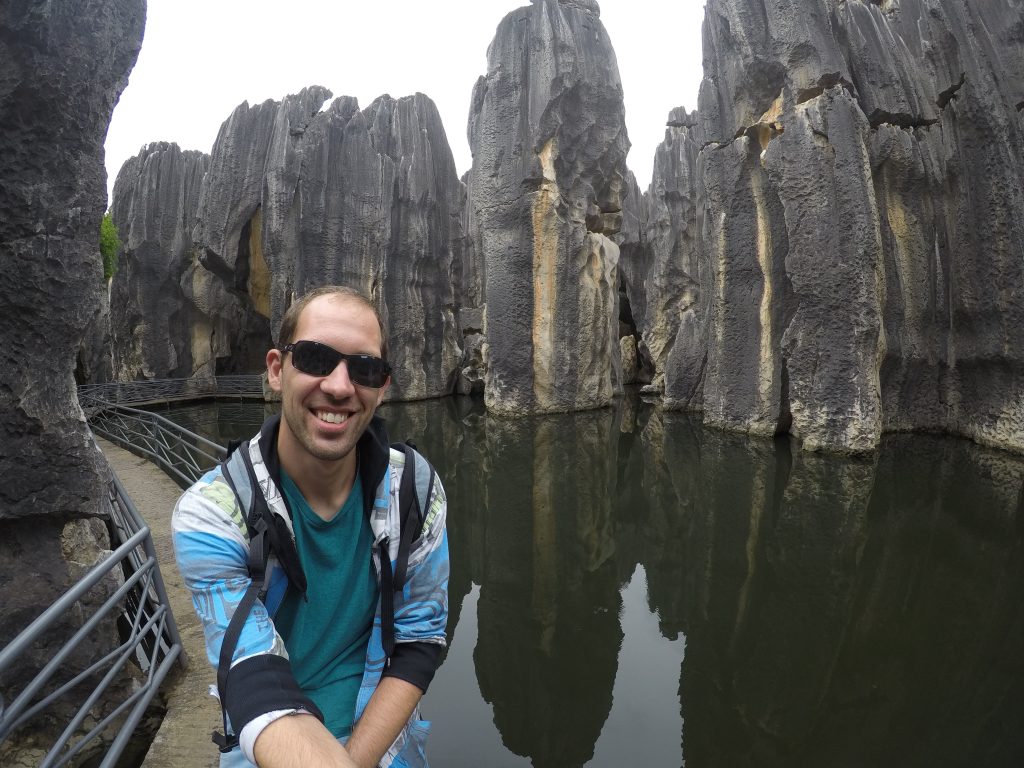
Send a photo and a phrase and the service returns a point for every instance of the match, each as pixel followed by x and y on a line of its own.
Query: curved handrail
pixel 168 390
pixel 182 454
pixel 150 636
pixel 152 641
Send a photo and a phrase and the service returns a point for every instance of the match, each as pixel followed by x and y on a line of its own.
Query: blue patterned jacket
pixel 211 547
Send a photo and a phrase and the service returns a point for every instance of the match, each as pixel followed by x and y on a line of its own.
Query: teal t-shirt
pixel 327 633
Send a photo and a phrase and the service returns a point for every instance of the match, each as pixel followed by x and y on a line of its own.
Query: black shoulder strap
pixel 279 538
pixel 259 553
pixel 256 563
pixel 412 513
pixel 413 499
pixel 387 603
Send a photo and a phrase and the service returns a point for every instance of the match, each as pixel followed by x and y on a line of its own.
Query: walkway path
pixel 192 714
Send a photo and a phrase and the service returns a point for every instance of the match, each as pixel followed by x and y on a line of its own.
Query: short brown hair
pixel 290 321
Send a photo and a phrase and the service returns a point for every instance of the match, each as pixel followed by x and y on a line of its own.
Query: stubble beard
pixel 330 452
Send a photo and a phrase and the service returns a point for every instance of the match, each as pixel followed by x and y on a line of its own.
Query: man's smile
pixel 332 418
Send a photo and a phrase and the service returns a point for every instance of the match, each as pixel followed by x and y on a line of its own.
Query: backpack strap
pixel 260 536
pixel 413 501
pixel 259 553
pixel 387 603
pixel 240 475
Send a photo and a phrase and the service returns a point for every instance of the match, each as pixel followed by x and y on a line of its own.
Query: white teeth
pixel 332 418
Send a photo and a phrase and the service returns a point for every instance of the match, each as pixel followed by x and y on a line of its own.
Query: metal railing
pixel 168 390
pixel 148 633
pixel 182 454
pixel 139 606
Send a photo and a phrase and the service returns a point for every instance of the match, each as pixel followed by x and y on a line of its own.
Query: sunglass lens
pixel 366 371
pixel 315 359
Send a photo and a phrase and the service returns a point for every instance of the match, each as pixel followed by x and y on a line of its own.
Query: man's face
pixel 323 417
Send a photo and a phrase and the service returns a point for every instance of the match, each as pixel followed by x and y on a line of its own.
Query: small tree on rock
pixel 110 244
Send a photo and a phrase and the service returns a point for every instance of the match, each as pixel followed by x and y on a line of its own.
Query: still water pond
pixel 630 589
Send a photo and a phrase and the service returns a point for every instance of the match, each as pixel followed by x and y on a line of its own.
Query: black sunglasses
pixel 318 359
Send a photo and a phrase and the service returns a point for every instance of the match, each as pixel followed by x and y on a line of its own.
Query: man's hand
pixel 387 711
pixel 299 741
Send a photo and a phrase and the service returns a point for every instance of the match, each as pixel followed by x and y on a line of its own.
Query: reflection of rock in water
pixel 450 433
pixel 548 615
pixel 835 608
pixel 831 608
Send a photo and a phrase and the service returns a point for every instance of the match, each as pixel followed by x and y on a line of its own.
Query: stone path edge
pixel 183 740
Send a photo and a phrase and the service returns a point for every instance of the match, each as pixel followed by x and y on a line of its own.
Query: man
pixel 308 683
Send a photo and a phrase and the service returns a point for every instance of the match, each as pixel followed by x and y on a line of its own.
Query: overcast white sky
pixel 202 58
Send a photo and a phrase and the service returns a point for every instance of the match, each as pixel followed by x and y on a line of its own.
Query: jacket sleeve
pixel 421 615
pixel 211 550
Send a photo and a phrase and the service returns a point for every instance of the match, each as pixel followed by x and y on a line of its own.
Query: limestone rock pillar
pixel 549 142
pixel 61 72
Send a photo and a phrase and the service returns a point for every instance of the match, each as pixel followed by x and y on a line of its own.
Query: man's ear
pixel 275 363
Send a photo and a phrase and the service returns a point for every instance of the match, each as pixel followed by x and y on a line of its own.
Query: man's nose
pixel 337 383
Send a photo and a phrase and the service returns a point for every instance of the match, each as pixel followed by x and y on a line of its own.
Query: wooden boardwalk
pixel 192 714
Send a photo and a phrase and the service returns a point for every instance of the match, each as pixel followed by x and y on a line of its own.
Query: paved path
pixel 192 714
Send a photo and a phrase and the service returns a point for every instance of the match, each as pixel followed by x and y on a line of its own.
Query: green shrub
pixel 110 244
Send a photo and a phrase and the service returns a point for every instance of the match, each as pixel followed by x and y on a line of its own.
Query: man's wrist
pixel 298 741
pixel 248 735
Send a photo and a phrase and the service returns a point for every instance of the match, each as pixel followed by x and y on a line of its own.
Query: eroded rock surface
pixel 61 77
pixel 831 245
pixel 248 211
pixel 548 137
pixel 858 194
pixel 61 72
pixel 661 266
pixel 299 193
pixel 381 210
pixel 295 196
pixel 154 206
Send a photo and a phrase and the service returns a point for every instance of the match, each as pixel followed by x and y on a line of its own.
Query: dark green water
pixel 630 589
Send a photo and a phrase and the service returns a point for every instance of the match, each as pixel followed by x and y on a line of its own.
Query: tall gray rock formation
pixel 290 198
pixel 549 142
pixel 874 279
pixel 247 213
pixel 61 72
pixel 381 210
pixel 859 188
pixel 661 266
pixel 155 335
